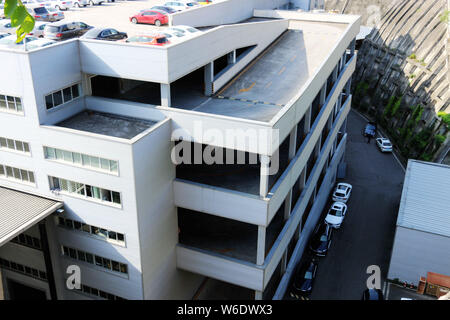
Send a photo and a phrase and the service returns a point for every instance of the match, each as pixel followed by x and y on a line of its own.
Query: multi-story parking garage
pixel 263 102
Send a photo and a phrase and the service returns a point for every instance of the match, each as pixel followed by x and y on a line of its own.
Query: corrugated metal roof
pixel 20 210
pixel 425 203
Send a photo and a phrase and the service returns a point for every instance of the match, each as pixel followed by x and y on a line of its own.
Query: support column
pixel 264 176
pixel 335 73
pixel 48 260
pixel 317 147
pixel 258 295
pixel 261 246
pixel 323 95
pixel 302 183
pixel 352 47
pixel 348 87
pixel 231 57
pixel 165 95
pixel 307 126
pixel 209 78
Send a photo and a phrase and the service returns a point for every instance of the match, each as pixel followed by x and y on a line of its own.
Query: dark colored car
pixel 370 129
pixel 62 30
pixel 304 278
pixel 163 8
pixel 155 17
pixel 104 34
pixel 372 294
pixel 321 240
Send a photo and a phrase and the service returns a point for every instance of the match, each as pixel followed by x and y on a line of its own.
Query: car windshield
pixel 191 30
pixel 308 275
pixel 386 144
pixel 323 237
pixel 340 194
pixel 337 213
pixel 161 40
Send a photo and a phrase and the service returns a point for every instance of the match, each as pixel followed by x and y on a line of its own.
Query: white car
pixel 172 35
pixel 181 5
pixel 10 42
pixel 384 145
pixel 61 4
pixel 336 215
pixel 186 30
pixel 39 43
pixel 5 26
pixel 342 192
pixel 38 30
pixel 80 3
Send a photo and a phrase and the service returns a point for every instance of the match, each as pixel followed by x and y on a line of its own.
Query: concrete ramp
pixel 223 12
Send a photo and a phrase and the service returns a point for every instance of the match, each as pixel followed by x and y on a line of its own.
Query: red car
pixel 150 17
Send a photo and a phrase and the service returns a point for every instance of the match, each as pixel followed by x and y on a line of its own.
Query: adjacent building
pixel 422 237
pixel 94 130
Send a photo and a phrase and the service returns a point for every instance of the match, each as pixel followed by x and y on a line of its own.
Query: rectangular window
pixel 16 145
pixel 9 103
pixel 79 159
pixel 62 96
pixel 16 174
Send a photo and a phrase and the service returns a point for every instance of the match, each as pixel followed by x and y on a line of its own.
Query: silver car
pixel 55 14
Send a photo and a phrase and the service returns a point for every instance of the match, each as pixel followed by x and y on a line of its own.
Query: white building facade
pixel 96 131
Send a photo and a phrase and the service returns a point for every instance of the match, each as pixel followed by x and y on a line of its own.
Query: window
pixel 100 233
pixel 16 174
pixel 17 267
pixel 97 293
pixel 95 259
pixel 81 159
pixel 10 104
pixel 16 145
pixel 87 191
pixel 27 241
pixel 62 96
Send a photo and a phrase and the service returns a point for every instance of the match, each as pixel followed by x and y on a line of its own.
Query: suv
pixel 65 30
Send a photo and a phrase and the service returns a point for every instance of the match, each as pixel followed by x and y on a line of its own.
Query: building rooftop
pixel 277 75
pixel 20 210
pixel 107 124
pixel 425 203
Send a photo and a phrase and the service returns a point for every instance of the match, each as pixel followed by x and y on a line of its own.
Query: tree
pixel 20 17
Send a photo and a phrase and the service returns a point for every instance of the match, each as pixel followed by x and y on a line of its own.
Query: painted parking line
pixel 281 71
pixel 253 102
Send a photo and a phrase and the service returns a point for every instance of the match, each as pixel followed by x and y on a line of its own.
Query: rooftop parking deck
pixel 107 124
pixel 270 81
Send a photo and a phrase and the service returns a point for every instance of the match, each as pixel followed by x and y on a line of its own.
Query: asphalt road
pixel 367 233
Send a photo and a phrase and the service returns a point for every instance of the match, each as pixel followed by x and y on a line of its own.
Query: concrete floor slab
pixel 107 124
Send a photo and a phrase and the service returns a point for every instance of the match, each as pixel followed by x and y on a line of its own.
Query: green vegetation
pixel 413 56
pixel 20 17
pixel 445 16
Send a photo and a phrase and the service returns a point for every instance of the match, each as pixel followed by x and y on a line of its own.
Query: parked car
pixel 65 30
pixel 95 2
pixel 181 5
pixel 150 17
pixel 187 30
pixel 40 13
pixel 321 240
pixel 163 8
pixel 156 40
pixel 203 2
pixel 38 30
pixel 10 41
pixel 173 36
pixel 342 192
pixel 304 278
pixel 370 130
pixel 80 3
pixel 55 14
pixel 384 145
pixel 5 26
pixel 336 214
pixel 372 294
pixel 61 4
pixel 3 34
pixel 39 43
pixel 36 3
pixel 104 34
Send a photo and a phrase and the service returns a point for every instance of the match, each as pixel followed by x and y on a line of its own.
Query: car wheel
pixel 91 3
pixel 134 20
pixel 157 23
pixel 58 7
pixel 77 4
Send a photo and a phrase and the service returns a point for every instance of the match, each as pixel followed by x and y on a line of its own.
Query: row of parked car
pixel 370 132
pixel 321 241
